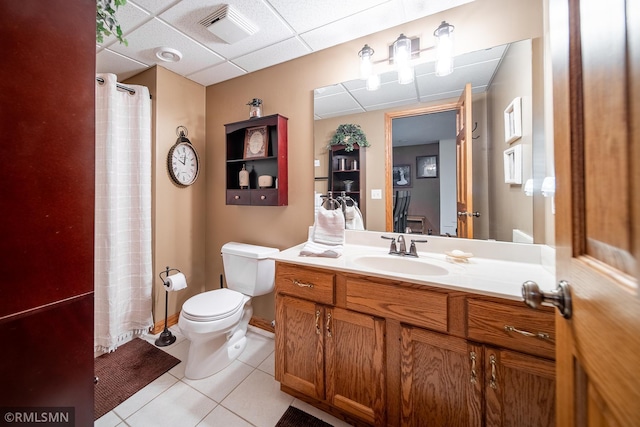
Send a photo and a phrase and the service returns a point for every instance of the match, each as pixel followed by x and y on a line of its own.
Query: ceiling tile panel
pixel 381 17
pixel 112 62
pixel 216 74
pixel 307 15
pixel 415 9
pixel 272 55
pixel 154 34
pixel 154 6
pixel 129 17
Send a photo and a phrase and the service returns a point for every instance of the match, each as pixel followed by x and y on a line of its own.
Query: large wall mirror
pixel 412 130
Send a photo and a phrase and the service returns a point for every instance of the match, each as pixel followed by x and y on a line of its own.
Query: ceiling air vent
pixel 229 25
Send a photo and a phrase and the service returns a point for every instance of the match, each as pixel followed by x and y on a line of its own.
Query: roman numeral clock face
pixel 183 164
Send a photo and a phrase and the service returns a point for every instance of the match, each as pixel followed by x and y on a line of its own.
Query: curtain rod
pixel 118 85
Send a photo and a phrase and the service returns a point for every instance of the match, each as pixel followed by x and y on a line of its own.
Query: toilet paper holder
pixel 166 337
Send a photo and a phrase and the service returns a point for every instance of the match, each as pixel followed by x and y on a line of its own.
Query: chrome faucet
pixel 402 251
pixel 403 246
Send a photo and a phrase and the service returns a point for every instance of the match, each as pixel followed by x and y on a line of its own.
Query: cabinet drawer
pixel 264 197
pixel 517 328
pixel 314 285
pixel 238 197
pixel 413 306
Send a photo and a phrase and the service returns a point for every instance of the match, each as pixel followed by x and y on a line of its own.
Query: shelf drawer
pixel 413 306
pixel 311 284
pixel 518 328
pixel 238 197
pixel 264 197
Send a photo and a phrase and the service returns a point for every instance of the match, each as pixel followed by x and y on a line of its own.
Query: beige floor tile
pixel 110 419
pixel 180 405
pixel 145 395
pixel 258 349
pixel 269 364
pixel 258 399
pixel 222 417
pixel 220 384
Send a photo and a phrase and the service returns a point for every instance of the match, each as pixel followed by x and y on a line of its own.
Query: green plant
pixel 106 22
pixel 348 135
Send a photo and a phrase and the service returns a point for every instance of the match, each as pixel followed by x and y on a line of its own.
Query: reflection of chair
pixel 400 210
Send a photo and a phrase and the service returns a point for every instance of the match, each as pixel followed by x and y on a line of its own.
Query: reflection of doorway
pixel 413 118
pixel 463 157
pixel 418 141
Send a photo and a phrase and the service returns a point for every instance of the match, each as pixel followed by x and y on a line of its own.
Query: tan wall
pixel 510 207
pixel 287 89
pixel 178 213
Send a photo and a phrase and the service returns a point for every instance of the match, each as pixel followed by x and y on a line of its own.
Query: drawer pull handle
pixel 541 335
pixel 329 325
pixel 492 383
pixel 236 197
pixel 263 197
pixel 302 285
pixel 474 375
pixel 317 322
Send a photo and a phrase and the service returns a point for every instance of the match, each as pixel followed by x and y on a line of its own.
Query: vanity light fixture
pixel 366 68
pixel 444 49
pixel 366 65
pixel 404 51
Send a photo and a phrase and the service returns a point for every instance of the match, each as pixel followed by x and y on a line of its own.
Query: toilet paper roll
pixel 175 282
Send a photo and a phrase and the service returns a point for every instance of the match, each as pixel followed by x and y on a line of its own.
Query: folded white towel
pixel 353 218
pixel 318 249
pixel 329 227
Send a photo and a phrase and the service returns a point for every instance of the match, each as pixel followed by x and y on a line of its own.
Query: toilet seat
pixel 213 305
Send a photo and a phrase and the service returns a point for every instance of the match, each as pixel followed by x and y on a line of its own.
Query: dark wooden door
pixel 47 197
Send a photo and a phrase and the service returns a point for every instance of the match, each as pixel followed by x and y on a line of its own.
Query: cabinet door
pixel 299 345
pixel 441 380
pixel 520 389
pixel 355 364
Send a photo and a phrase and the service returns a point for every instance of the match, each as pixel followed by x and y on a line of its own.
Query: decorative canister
pixel 255 108
pixel 243 177
pixel 342 164
pixel 348 185
pixel 354 165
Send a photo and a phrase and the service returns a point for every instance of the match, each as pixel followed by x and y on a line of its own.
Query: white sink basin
pixel 401 265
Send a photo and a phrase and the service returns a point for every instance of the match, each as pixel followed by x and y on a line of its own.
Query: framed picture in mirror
pixel 427 166
pixel 402 176
pixel 513 121
pixel 513 165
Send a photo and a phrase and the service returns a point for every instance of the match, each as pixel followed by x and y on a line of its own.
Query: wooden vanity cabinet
pixel 330 354
pixel 397 354
pixel 441 380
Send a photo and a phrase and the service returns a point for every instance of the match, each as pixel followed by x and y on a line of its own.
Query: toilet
pixel 215 322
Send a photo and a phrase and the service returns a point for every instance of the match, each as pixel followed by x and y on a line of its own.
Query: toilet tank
pixel 248 268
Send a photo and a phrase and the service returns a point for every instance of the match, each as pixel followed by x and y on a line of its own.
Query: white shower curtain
pixel 123 269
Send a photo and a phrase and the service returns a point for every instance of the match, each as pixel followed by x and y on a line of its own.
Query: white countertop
pixel 485 273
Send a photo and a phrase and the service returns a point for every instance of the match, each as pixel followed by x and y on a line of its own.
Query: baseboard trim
pixel 262 324
pixel 159 326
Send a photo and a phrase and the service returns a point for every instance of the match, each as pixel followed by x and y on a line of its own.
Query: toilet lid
pixel 213 305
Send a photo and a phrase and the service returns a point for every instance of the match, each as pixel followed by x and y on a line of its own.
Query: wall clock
pixel 183 162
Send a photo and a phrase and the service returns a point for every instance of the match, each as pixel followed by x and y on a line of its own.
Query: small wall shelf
pixel 273 163
pixel 348 166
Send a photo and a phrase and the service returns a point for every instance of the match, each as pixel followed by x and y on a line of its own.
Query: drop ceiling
pixel 288 29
